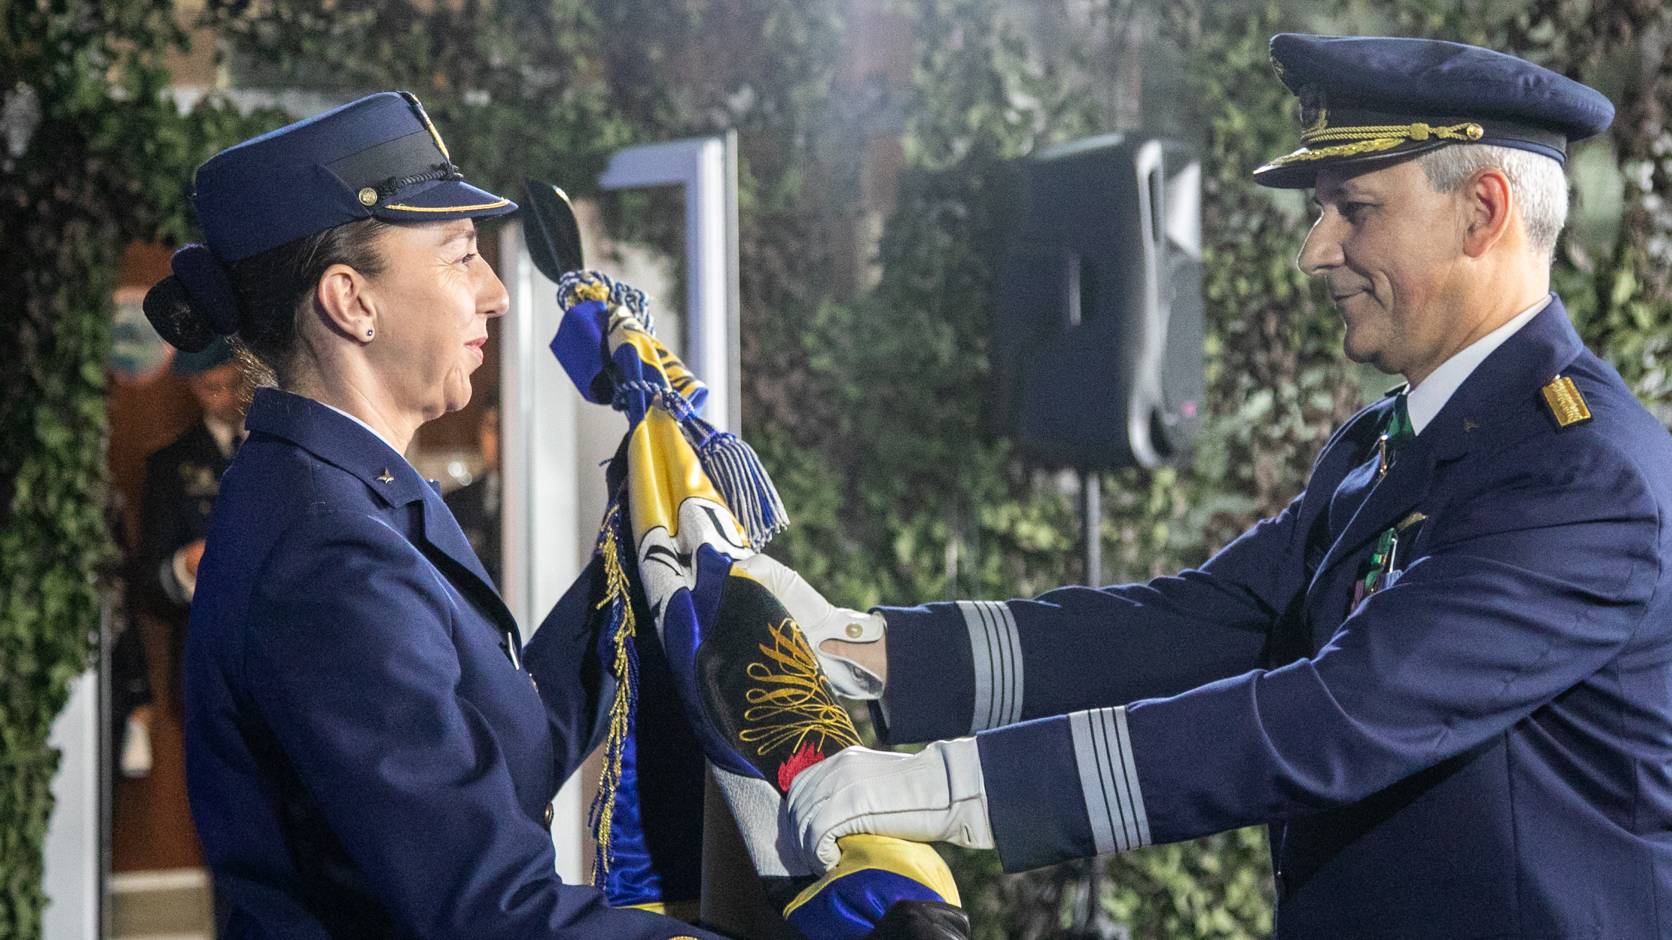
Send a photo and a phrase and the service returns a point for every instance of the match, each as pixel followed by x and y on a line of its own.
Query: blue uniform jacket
pixel 365 755
pixel 1483 748
pixel 181 481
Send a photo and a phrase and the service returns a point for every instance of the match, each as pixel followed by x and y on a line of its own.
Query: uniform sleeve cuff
pixel 954 668
pixel 1109 780
pixel 1061 788
pixel 930 688
pixel 179 583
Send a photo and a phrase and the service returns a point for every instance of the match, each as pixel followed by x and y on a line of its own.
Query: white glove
pixel 936 795
pixel 820 621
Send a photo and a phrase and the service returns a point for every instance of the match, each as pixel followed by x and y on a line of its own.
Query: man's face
pixel 1390 250
pixel 220 393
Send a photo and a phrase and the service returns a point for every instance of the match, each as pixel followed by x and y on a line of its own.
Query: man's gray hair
pixel 1536 183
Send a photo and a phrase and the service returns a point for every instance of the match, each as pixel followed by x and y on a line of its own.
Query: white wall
pixel 72 836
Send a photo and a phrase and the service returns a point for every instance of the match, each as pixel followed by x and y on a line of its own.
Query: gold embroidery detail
pixel 1338 150
pixel 1566 405
pixel 475 208
pixel 1354 141
pixel 794 700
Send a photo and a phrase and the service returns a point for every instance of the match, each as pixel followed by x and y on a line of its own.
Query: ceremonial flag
pixel 688 504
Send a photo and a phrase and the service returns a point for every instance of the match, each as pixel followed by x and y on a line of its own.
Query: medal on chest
pixel 1383 568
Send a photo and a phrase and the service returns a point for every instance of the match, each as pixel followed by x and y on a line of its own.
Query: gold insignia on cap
pixel 1566 405
pixel 1323 142
pixel 428 124
pixel 368 196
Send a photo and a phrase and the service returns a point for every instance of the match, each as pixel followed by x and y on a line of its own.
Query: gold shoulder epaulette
pixel 1566 405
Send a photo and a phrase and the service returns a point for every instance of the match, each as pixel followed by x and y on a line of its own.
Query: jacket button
pixel 549 814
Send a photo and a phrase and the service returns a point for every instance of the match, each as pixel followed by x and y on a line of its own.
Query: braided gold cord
pixel 1468 130
pixel 794 700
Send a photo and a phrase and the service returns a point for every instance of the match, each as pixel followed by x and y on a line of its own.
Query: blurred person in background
pixel 182 479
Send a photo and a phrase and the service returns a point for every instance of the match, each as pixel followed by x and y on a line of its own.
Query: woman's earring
pixel 368 332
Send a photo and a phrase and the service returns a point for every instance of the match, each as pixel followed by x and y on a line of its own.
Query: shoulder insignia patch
pixel 1566 405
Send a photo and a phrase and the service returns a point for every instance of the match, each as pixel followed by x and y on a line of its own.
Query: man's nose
pixel 1322 249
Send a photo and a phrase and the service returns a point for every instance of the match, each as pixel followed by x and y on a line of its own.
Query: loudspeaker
pixel 1097 348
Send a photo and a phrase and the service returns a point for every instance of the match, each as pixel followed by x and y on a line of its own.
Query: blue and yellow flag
pixel 690 502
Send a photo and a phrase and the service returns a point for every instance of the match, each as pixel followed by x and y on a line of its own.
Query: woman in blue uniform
pixel 370 749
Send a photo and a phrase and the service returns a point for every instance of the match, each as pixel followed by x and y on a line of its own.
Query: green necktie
pixel 1394 437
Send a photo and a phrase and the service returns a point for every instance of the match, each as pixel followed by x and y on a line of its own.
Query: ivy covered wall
pixel 91 156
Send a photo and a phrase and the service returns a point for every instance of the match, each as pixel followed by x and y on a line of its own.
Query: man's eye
pixel 1352 210
pixel 469 257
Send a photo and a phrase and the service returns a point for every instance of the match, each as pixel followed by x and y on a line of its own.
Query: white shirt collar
pixel 223 433
pixel 363 424
pixel 1425 400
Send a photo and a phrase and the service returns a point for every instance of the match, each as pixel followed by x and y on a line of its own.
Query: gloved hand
pixel 935 795
pixel 922 920
pixel 820 620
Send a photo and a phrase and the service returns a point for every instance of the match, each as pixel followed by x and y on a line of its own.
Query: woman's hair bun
pixel 176 317
pixel 195 305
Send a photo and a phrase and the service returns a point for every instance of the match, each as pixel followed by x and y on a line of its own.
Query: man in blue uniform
pixel 182 479
pixel 1442 674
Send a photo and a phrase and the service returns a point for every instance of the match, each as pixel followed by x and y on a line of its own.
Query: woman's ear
pixel 345 301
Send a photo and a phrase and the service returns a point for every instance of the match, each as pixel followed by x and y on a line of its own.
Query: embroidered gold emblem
pixel 1566 405
pixel 792 701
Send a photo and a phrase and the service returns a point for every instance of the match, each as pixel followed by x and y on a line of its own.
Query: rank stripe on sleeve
pixel 997 654
pixel 1109 780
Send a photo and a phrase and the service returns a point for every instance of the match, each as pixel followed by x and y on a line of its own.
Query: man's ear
pixel 344 302
pixel 1489 211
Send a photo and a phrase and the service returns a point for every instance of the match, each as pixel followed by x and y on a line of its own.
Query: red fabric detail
pixel 802 759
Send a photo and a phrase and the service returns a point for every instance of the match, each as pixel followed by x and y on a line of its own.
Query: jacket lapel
pixel 443 534
pixel 1477 413
pixel 1405 484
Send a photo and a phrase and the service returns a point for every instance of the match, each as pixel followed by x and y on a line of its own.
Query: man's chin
pixel 1368 355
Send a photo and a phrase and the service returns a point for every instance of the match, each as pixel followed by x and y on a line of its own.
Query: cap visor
pixel 1301 174
pixel 444 200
